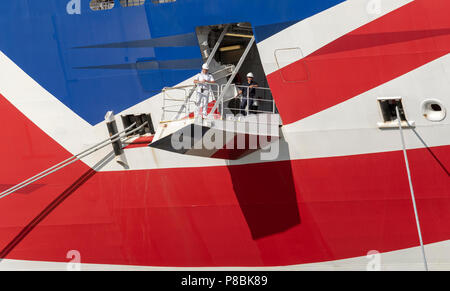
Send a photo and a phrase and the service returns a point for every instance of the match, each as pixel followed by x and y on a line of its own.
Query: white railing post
pixel 247 109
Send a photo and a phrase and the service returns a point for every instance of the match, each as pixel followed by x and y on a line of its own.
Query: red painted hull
pixel 369 56
pixel 304 211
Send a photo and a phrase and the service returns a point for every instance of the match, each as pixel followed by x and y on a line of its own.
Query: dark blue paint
pixel 264 31
pixel 53 47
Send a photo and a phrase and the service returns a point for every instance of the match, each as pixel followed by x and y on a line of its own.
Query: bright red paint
pixel 276 213
pixel 140 142
pixel 371 55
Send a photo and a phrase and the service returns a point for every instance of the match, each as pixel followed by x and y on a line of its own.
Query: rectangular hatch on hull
pixel 388 107
pixel 139 119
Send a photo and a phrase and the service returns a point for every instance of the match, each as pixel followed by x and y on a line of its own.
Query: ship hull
pixel 335 194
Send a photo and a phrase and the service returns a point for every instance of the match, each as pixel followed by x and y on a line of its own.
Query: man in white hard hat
pixel 203 81
pixel 248 96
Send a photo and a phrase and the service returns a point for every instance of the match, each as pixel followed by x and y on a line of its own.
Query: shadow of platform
pixel 267 195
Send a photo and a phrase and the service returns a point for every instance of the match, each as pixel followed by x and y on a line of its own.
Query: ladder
pixel 208 62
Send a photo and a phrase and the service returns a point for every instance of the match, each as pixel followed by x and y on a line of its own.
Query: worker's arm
pixel 239 93
pixel 210 80
pixel 199 82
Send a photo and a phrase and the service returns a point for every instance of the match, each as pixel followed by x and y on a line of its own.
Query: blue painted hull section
pixel 110 60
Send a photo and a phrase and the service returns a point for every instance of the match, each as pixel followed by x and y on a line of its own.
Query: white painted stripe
pixel 321 29
pixel 57 120
pixel 43 109
pixel 401 260
pixel 349 128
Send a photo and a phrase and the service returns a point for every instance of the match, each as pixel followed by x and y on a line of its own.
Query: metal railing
pixel 255 104
pixel 180 103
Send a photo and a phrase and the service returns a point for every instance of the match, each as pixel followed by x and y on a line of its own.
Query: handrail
pixel 233 75
pixel 185 103
pixel 216 89
pixel 217 45
pixel 71 160
pixel 248 110
pixel 248 92
pixel 178 87
pixel 188 86
pixel 208 62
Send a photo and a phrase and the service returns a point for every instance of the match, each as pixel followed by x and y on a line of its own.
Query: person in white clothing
pixel 203 81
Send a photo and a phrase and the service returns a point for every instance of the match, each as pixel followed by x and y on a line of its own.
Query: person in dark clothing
pixel 247 97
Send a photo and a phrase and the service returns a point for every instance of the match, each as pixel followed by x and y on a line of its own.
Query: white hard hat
pixel 250 75
pixel 205 67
